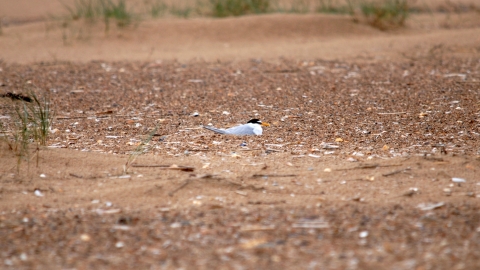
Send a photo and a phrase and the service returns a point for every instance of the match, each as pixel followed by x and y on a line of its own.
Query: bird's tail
pixel 216 130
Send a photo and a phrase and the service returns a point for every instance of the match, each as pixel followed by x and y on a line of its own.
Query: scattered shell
pixel 460 75
pixel 195 81
pixel 327 170
pixel 430 206
pixel 329 146
pixel 38 193
pixel 43 175
pixel 85 237
pixel 253 243
pixel 363 234
pixel 23 256
pixel 458 180
pixel 311 224
pixel 252 228
pixel 197 202
pixel 121 227
pixel 358 154
pixel 175 225
pixel 107 212
pixel 243 193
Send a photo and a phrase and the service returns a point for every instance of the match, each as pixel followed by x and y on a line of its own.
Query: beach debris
pixel 166 167
pixel 458 180
pixel 430 206
pixel 363 234
pixel 38 193
pixel 311 224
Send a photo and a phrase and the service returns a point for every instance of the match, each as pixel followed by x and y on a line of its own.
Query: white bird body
pixel 253 127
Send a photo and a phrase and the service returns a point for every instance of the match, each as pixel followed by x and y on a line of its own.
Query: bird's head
pixel 257 121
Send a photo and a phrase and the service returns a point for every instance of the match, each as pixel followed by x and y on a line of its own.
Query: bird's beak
pixel 265 124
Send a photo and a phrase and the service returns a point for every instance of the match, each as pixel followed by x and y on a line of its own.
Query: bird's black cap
pixel 255 121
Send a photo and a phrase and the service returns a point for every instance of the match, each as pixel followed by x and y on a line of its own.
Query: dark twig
pixel 274 175
pixel 166 167
pixel 184 184
pixel 14 96
pixel 396 172
pixel 368 166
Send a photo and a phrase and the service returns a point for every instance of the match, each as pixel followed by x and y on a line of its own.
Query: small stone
pixel 23 256
pixel 38 193
pixel 85 237
pixel 363 234
pixel 458 180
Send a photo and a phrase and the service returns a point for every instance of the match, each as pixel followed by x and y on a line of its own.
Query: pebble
pixel 458 180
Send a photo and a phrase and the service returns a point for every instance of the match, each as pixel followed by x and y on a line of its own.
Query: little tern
pixel 252 127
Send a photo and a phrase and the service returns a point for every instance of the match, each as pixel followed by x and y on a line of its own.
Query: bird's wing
pixel 257 130
pixel 246 129
pixel 216 130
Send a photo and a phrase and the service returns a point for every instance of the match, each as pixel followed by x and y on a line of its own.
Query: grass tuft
pixel 30 122
pixel 116 10
pixel 141 148
pixel 84 9
pixel 382 14
pixel 155 8
pixel 225 8
pixel 106 10
pixel 181 11
pixel 385 15
pixel 330 6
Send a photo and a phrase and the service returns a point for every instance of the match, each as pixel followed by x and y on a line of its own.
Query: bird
pixel 252 127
